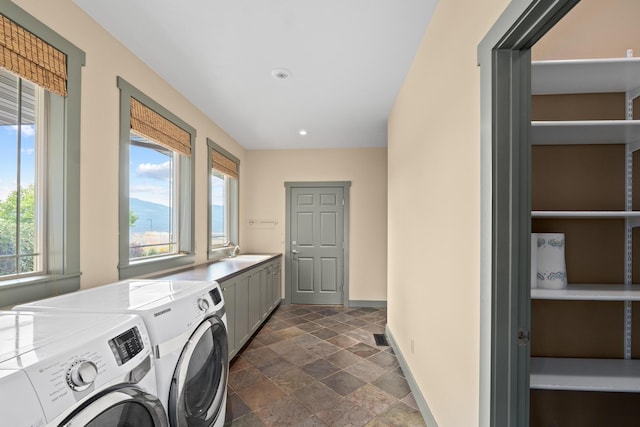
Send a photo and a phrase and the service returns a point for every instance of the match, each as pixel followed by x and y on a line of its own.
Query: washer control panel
pixel 215 295
pixel 126 345
pixel 203 304
pixel 81 374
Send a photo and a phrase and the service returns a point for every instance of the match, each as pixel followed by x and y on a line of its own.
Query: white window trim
pixel 185 192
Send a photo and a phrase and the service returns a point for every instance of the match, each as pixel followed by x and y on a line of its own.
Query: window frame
pixel 233 208
pixel 41 98
pixel 149 144
pixel 185 202
pixel 62 200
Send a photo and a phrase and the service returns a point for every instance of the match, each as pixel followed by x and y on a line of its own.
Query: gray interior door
pixel 317 245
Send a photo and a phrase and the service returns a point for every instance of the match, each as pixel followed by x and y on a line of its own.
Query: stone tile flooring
pixel 319 366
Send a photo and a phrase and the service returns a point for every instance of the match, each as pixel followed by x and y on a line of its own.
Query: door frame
pixel 505 66
pixel 288 264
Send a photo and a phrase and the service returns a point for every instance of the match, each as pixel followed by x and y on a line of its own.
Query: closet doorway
pixel 504 56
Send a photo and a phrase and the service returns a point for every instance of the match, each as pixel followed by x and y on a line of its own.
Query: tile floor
pixel 319 366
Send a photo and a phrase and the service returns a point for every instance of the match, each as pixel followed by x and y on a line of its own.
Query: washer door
pixel 123 407
pixel 199 383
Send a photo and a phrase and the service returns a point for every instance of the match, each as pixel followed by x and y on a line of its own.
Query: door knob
pixel 294 251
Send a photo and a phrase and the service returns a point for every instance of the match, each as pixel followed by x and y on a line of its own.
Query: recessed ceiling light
pixel 302 132
pixel 281 73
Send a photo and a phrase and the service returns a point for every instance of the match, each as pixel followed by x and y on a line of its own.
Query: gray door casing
pixel 317 243
pixel 505 65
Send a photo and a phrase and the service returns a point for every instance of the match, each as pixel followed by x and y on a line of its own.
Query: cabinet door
pixel 268 278
pixel 277 284
pixel 242 309
pixel 265 295
pixel 229 295
pixel 254 300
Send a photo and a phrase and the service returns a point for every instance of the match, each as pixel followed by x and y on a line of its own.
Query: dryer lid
pixel 126 295
pixel 18 400
pixel 22 332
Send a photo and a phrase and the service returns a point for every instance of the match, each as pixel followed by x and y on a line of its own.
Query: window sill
pixel 154 265
pixel 219 253
pixel 32 288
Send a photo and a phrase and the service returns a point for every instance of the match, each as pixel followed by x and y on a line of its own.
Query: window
pixel 223 199
pixel 40 81
pixel 152 218
pixel 156 186
pixel 22 145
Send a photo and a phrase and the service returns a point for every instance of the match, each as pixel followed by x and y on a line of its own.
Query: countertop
pixel 221 270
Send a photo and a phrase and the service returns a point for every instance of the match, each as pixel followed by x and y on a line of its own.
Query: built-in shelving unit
pixel 548 373
pixel 565 354
pixel 590 292
pixel 585 214
pixel 585 76
pixel 585 132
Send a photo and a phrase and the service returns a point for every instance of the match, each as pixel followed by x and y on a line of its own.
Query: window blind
pixel 223 164
pixel 31 58
pixel 148 123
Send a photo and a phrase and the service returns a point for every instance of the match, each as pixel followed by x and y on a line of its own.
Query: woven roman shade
pixel 31 58
pixel 223 164
pixel 148 123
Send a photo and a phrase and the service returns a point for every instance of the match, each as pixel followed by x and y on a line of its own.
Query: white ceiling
pixel 348 59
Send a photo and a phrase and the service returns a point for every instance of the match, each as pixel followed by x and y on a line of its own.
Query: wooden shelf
pixel 589 292
pixel 607 375
pixel 585 132
pixel 585 76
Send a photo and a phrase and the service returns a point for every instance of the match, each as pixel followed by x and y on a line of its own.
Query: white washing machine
pixel 186 321
pixel 77 370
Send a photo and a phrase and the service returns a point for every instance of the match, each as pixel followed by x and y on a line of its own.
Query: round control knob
pixel 81 375
pixel 203 304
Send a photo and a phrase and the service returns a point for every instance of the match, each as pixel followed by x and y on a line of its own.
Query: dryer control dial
pixel 81 374
pixel 203 304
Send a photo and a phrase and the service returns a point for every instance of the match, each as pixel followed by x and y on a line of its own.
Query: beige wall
pixel 106 59
pixel 434 212
pixel 266 171
pixel 262 174
pixel 593 29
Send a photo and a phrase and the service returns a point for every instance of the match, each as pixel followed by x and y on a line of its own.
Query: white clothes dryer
pixel 77 370
pixel 186 321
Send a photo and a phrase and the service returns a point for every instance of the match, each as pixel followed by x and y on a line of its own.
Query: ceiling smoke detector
pixel 281 73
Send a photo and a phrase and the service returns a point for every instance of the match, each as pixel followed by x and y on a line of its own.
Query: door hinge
pixel 523 337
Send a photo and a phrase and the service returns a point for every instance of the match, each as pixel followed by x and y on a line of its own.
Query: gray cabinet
pixel 255 308
pixel 242 309
pixel 276 279
pixel 265 292
pixel 229 294
pixel 250 297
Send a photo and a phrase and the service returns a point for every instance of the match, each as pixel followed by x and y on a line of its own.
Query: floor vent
pixel 381 340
